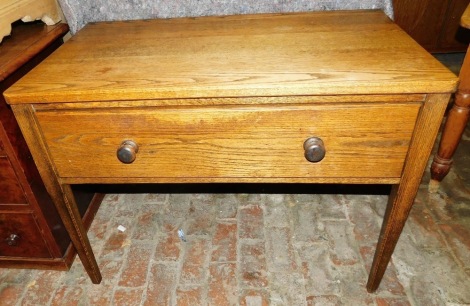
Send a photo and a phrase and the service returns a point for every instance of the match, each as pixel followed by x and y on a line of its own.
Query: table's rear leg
pixel 61 194
pixel 80 241
pixel 403 195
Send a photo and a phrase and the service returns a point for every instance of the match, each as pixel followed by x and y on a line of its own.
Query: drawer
pixel 10 188
pixel 361 141
pixel 20 236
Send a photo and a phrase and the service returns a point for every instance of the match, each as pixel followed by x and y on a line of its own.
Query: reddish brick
pixel 193 274
pixel 129 206
pixel 98 231
pixel 422 225
pixel 17 276
pixel 161 285
pixel 251 198
pixel 127 297
pixel 39 290
pixel 147 223
pixel 203 224
pixel 388 301
pixel 458 237
pixel 10 294
pixel 307 226
pixel 321 279
pixel 277 212
pixel 253 270
pixel 201 217
pixel 254 298
pixel 135 270
pixel 103 293
pixel 116 244
pixel 343 246
pixel 251 222
pixel 366 223
pixel 323 300
pixel 109 268
pixel 71 296
pixel 192 296
pixel 100 295
pixel 59 296
pixel 168 247
pixel 227 206
pixel 195 262
pixel 178 206
pixel 224 243
pixel 436 205
pixel 353 285
pixel 108 207
pixel 280 252
pixel 197 250
pixel 155 198
pixel 223 284
pixel 168 224
pixel 111 198
pixel 332 207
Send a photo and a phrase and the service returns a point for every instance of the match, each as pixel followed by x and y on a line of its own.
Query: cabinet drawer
pixel 361 141
pixel 20 236
pixel 10 189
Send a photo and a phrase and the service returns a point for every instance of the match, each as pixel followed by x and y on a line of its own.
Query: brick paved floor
pixel 273 245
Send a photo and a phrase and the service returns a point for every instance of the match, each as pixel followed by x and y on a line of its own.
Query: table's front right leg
pixel 403 195
pixel 61 194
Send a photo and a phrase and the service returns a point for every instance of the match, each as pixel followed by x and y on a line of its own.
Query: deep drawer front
pixel 361 140
pixel 10 189
pixel 20 236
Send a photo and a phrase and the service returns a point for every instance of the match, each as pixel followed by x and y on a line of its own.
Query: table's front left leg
pixel 61 194
pixel 403 195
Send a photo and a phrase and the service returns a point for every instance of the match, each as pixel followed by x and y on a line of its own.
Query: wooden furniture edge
pixel 60 193
pixel 403 195
pixel 27 10
pixel 465 19
pixel 40 44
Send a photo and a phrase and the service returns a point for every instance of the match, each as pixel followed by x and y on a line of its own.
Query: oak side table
pixel 327 97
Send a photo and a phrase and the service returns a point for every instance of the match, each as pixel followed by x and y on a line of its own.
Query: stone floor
pixel 265 245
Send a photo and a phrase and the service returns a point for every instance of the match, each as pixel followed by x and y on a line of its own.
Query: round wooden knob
pixel 127 151
pixel 13 240
pixel 314 149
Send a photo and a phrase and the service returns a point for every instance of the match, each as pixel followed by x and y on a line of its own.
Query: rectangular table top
pixel 316 53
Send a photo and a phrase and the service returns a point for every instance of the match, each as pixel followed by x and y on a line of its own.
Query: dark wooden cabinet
pixel 31 233
pixel 434 24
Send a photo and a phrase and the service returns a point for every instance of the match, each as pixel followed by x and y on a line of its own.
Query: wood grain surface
pixel 27 10
pixel 362 140
pixel 25 42
pixel 465 19
pixel 403 195
pixel 236 56
pixel 30 243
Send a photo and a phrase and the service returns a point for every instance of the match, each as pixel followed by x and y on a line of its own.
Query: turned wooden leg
pixel 402 196
pixel 61 194
pixel 455 125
